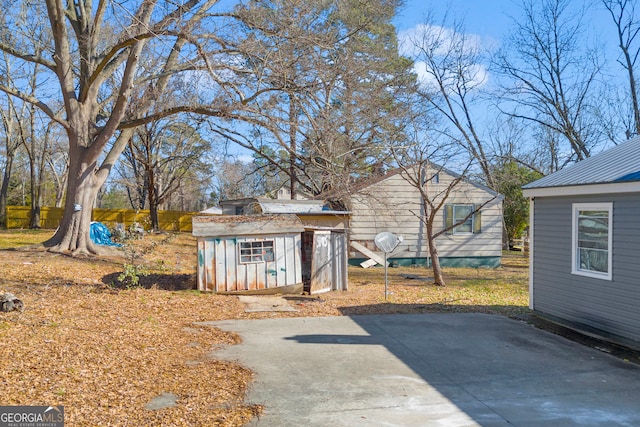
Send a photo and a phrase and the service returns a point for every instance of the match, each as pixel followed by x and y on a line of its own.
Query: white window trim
pixel 576 208
pixel 455 232
pixel 253 255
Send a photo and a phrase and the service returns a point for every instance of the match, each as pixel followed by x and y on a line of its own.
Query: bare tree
pixel 159 155
pixel 420 174
pixel 96 52
pixel 623 14
pixel 422 161
pixel 57 162
pixel 236 179
pixel 15 118
pixel 22 130
pixel 551 75
pixel 451 64
pixel 11 144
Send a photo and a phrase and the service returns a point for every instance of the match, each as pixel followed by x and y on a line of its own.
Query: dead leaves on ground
pixel 104 355
pixel 104 352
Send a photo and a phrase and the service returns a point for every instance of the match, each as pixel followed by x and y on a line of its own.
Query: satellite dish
pixel 387 241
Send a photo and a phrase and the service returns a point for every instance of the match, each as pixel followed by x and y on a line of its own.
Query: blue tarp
pixel 100 234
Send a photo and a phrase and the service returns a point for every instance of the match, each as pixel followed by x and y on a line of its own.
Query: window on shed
pixel 468 220
pixel 592 238
pixel 258 251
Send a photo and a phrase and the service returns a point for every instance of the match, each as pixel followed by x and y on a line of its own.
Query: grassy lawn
pixel 14 238
pixel 103 350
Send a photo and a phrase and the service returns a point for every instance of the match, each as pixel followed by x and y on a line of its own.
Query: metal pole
pixel 386 281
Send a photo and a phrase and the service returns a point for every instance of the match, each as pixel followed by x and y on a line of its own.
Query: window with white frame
pixel 258 251
pixel 468 218
pixel 460 212
pixel 592 239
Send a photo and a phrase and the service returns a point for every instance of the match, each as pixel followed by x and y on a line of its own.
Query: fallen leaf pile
pixel 104 351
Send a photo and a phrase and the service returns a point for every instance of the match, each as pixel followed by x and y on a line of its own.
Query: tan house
pixel 391 203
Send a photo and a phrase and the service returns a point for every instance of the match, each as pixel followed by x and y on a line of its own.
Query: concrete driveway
pixel 429 370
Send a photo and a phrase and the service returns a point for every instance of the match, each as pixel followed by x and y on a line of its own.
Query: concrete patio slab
pixel 429 370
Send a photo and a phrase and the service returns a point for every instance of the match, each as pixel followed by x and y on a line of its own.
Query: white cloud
pixel 245 158
pixel 443 46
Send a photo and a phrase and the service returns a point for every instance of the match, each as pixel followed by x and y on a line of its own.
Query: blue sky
pixel 491 20
pixel 485 18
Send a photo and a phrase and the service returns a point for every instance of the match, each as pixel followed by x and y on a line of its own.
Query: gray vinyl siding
pixel 394 205
pixel 608 306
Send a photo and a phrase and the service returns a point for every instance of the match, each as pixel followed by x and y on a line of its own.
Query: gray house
pixel 585 245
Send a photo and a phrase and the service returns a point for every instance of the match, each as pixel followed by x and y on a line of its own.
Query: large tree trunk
pixel 34 222
pixel 83 185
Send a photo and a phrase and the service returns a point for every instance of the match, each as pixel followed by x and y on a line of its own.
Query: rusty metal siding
pixel 248 277
pixel 282 256
pixel 226 271
pixel 231 274
pixel 294 257
pixel 339 266
pixel 220 269
pixel 288 268
pixel 322 260
pixel 202 266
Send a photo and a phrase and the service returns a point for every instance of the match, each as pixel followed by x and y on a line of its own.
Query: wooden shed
pixel 268 254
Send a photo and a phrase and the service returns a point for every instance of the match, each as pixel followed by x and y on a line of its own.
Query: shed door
pixel 339 264
pixel 321 263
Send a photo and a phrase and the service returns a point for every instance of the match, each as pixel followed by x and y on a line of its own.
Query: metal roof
pixel 616 165
pixel 290 206
pixel 301 207
pixel 214 210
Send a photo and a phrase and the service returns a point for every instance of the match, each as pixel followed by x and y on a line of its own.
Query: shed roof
pixel 242 225
pixel 317 207
pixel 214 210
pixel 619 164
pixel 279 206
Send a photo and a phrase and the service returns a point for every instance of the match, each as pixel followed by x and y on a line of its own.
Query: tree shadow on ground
pixel 482 369
pixel 519 313
pixel 165 282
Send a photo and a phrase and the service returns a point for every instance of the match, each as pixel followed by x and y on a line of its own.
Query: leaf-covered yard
pixel 104 350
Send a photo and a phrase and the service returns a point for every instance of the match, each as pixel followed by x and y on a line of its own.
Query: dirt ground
pixel 103 349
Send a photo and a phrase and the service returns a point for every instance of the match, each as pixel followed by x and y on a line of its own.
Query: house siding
pixel 394 205
pixel 607 307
